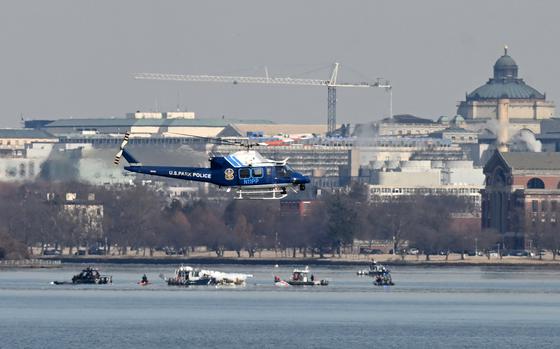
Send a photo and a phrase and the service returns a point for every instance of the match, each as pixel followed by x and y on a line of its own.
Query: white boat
pixel 374 269
pixel 380 273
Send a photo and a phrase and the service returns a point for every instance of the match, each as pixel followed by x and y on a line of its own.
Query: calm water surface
pixel 428 308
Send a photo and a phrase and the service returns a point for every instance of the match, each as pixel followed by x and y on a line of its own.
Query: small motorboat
pixel 89 275
pixel 380 273
pixel 280 283
pixel 383 279
pixel 374 269
pixel 301 277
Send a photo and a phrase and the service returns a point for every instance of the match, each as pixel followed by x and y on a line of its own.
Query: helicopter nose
pixel 300 179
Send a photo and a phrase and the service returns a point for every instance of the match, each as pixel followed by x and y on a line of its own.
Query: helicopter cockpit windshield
pixel 284 171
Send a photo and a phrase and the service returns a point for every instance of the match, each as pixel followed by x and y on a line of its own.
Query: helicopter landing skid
pixel 260 194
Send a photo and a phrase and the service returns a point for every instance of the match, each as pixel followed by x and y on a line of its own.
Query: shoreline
pixel 205 260
pixel 38 263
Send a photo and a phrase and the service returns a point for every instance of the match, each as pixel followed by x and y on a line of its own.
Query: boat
pixel 383 279
pixel 374 269
pixel 300 277
pixel 188 276
pixel 89 275
pixel 380 273
pixel 280 283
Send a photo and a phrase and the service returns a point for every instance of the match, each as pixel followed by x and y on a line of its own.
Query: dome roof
pixel 443 119
pixel 505 61
pixel 458 119
pixel 515 89
pixel 505 67
pixel 505 83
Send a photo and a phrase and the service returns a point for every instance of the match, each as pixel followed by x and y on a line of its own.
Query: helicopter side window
pixel 268 171
pixel 257 172
pixel 281 172
pixel 244 173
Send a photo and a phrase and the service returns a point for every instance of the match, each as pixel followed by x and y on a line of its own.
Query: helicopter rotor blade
pixel 217 140
pixel 208 139
pixel 121 149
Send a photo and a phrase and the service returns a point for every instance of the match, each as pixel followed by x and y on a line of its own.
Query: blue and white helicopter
pixel 251 175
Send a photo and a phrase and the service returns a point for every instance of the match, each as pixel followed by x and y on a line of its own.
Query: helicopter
pixel 251 175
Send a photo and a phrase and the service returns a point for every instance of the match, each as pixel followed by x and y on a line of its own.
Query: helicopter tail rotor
pixel 121 149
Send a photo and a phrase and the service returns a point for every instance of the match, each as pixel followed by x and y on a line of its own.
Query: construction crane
pixel 332 84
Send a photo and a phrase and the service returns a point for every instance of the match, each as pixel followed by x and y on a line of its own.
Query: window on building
pixel 544 206
pixel 554 205
pixel 535 206
pixel 535 183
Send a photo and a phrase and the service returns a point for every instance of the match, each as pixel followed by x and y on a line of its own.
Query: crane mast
pixel 331 85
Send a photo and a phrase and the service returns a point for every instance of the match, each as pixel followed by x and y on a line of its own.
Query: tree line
pixel 145 218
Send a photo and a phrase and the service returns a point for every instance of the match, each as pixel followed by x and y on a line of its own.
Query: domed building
pixel 525 103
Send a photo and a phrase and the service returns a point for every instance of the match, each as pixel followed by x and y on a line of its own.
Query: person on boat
pixel 144 279
pixel 312 278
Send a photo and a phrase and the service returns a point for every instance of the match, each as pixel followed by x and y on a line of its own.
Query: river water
pixel 457 307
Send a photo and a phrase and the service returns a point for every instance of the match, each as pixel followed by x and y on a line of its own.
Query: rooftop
pixel 110 122
pixel 407 119
pixel 513 89
pixel 532 160
pixel 24 133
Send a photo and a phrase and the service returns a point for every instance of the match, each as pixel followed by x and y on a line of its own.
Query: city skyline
pixel 64 59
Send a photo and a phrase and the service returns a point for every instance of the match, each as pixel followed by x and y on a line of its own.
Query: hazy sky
pixel 75 58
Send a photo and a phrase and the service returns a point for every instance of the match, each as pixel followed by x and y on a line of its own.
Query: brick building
pixel 522 195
